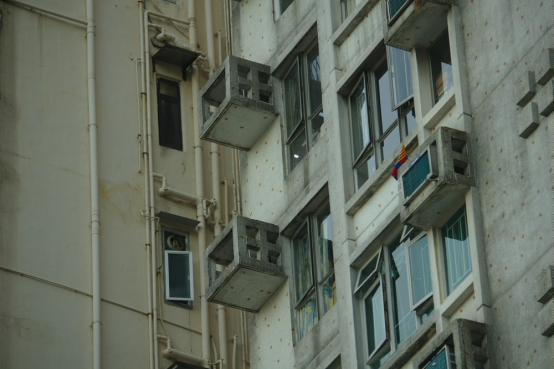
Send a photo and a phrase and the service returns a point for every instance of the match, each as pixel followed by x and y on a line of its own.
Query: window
pixel 443 359
pixel 169 115
pixel 381 114
pixel 284 4
pixel 457 256
pixel 303 105
pixel 179 284
pixel 346 7
pixel 314 277
pixel 400 270
pixel 441 66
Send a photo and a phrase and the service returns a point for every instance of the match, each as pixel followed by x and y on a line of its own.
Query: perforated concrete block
pixel 244 264
pixel 237 103
pixel 526 87
pixel 529 120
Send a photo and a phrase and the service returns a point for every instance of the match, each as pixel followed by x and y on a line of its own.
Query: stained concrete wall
pixel 510 207
pixel 45 308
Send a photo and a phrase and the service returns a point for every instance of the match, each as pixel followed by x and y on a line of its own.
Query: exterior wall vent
pixel 237 104
pixel 435 179
pixel 415 23
pixel 244 264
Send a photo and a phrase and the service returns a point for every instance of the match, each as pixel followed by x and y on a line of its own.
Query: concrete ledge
pixel 408 348
pixel 352 21
pixel 439 110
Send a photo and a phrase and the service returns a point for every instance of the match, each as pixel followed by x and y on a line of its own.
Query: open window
pixel 178 266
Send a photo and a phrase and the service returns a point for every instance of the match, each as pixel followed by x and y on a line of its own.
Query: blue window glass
pixel 416 175
pixel 456 250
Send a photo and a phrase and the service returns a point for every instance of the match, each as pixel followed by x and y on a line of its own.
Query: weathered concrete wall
pixel 45 309
pixel 510 207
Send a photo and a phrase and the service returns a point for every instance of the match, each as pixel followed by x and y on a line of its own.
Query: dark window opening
pixel 169 115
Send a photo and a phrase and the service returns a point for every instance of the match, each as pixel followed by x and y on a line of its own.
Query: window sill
pixel 352 21
pixel 407 349
pixel 317 340
pixel 457 298
pixel 383 173
pixel 439 110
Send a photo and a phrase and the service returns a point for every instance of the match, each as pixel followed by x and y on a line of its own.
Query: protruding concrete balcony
pixel 415 23
pixel 434 181
pixel 237 104
pixel 244 265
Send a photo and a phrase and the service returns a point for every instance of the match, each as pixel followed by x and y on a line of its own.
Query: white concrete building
pixel 115 215
pixel 447 266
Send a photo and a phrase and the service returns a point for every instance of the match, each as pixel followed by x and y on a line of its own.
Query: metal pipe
pixel 150 188
pixel 145 154
pixel 94 185
pixel 199 176
pixel 214 156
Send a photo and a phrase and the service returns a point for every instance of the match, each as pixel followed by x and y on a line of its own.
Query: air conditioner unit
pixel 244 264
pixel 415 23
pixel 462 345
pixel 435 179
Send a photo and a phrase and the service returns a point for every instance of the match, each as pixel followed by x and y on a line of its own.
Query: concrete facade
pixel 45 252
pixel 493 46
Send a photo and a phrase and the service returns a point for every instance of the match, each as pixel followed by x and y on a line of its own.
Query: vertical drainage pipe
pixel 151 210
pixel 94 199
pixel 152 342
pixel 214 156
pixel 199 177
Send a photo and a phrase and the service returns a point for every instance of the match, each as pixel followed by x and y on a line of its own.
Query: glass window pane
pixel 441 66
pixel 178 275
pixel 456 250
pixel 175 242
pixel 364 170
pixel 329 292
pixel 297 149
pixel 325 242
pixel 369 272
pixel 411 123
pixel 359 117
pixel 303 276
pixel 169 115
pixel 346 7
pixel 388 115
pixel 375 319
pixel 316 123
pixel 390 144
pixel 420 270
pixel 314 80
pixel 405 320
pixel 441 360
pixel 395 6
pixel 285 4
pixel 418 173
pixel 293 107
pixel 306 318
pixel 401 74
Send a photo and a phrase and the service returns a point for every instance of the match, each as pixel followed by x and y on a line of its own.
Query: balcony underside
pixel 418 25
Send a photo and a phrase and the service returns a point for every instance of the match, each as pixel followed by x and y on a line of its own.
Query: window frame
pixel 305 124
pixel 451 290
pixel 374 150
pixel 167 271
pixel 363 289
pixel 179 146
pixel 183 302
pixel 309 226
